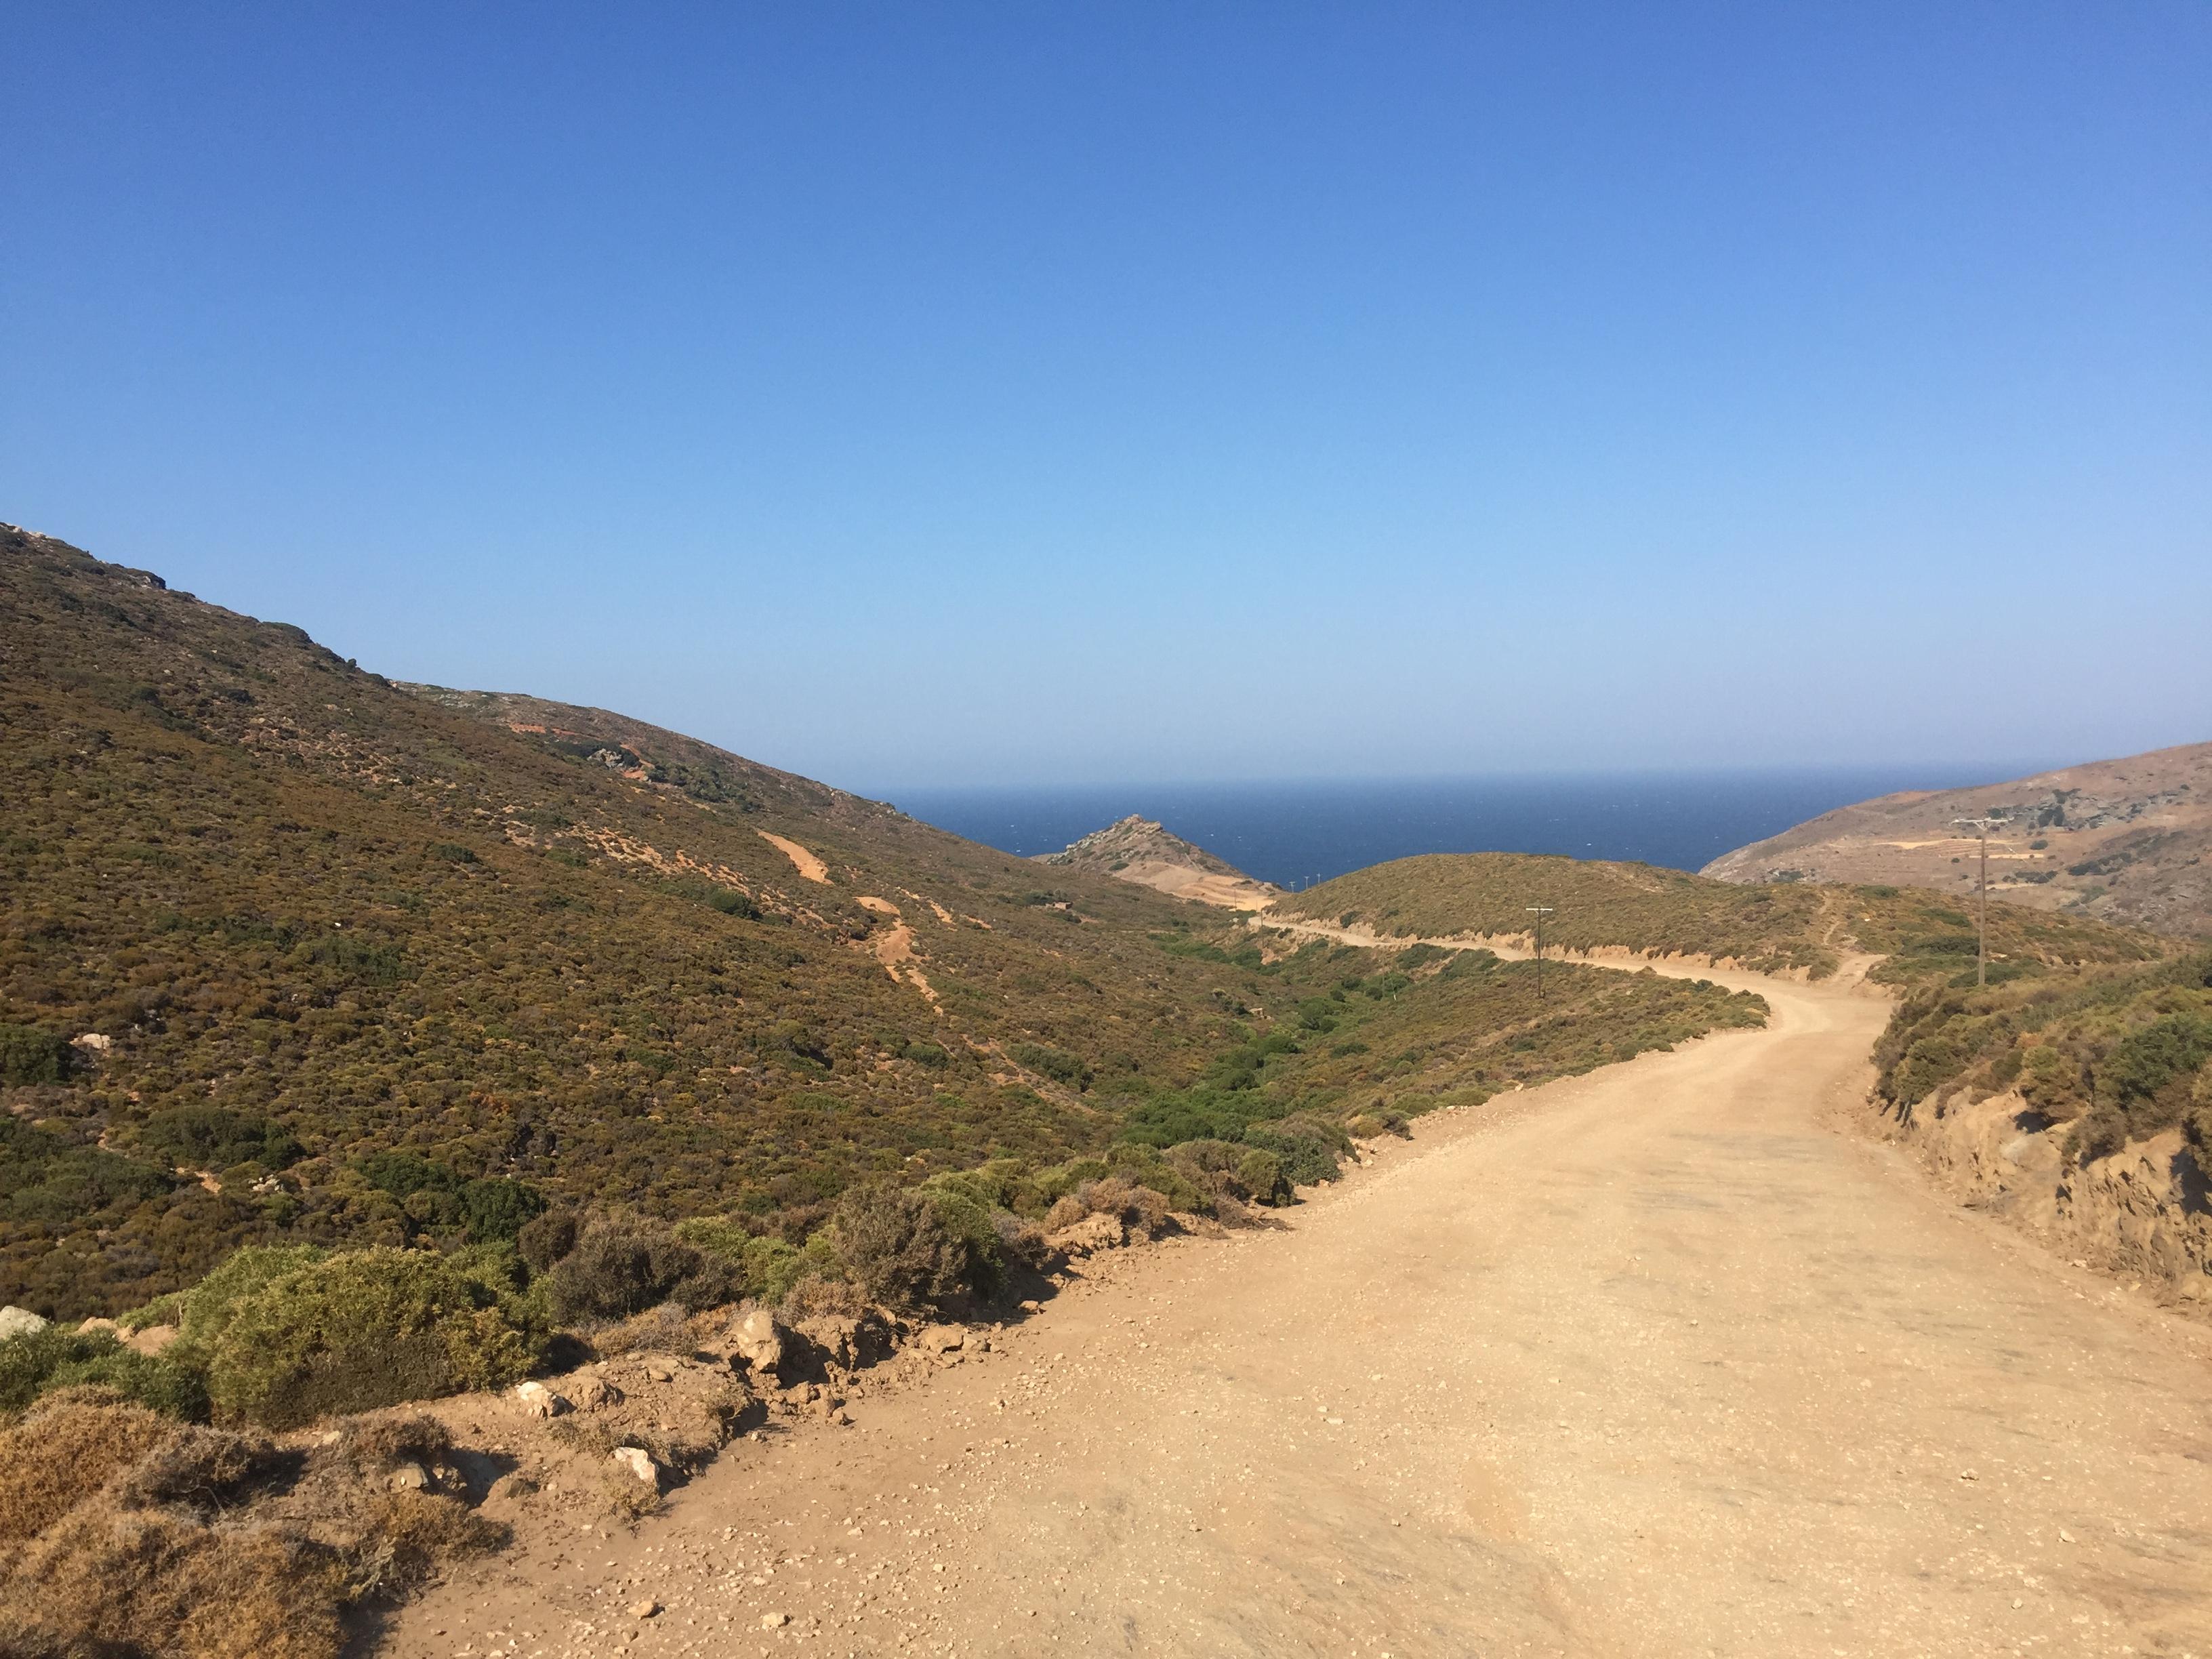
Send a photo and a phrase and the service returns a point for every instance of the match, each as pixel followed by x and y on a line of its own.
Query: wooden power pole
pixel 1540 911
pixel 1982 826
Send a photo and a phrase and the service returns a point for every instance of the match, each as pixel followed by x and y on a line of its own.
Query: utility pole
pixel 1982 826
pixel 1540 911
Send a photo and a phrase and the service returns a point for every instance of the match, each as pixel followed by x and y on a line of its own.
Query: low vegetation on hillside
pixel 1774 927
pixel 2118 1053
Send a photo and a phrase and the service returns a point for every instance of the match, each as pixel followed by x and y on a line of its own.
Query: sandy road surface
pixel 1647 1362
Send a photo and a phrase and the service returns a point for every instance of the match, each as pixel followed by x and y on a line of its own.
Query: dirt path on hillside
pixel 1647 1362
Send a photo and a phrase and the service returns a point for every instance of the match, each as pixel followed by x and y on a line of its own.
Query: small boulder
pixel 408 1477
pixel 762 1340
pixel 19 1322
pixel 538 1400
pixel 150 1340
pixel 646 1609
pixel 107 1325
pixel 92 1043
pixel 941 1338
pixel 637 1462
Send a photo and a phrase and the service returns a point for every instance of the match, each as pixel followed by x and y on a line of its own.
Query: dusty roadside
pixel 1649 1361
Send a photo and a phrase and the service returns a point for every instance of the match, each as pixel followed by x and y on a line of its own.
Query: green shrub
pixel 732 902
pixel 204 1309
pixel 215 1138
pixel 2153 1066
pixel 1261 1174
pixel 39 1361
pixel 499 1208
pixel 1054 1063
pixel 30 1055
pixel 547 1239
pixel 1310 1148
pixel 367 1328
pixel 766 1267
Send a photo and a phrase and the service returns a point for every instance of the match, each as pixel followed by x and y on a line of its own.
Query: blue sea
pixel 1294 834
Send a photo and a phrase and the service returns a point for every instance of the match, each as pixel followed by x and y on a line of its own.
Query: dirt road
pixel 1650 1362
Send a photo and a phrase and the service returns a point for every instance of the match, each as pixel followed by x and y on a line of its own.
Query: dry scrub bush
pixel 108 1580
pixel 129 1536
pixel 896 1244
pixel 71 1442
pixel 621 1267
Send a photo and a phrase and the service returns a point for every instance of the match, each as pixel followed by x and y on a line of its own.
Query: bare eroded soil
pixel 1654 1361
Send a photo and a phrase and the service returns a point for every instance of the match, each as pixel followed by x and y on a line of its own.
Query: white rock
pixel 638 1462
pixel 774 1620
pixel 93 1042
pixel 761 1340
pixel 538 1400
pixel 19 1322
pixel 409 1477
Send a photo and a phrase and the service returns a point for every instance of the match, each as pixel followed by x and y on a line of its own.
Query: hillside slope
pixel 1139 850
pixel 297 914
pixel 1775 927
pixel 2126 840
pixel 291 955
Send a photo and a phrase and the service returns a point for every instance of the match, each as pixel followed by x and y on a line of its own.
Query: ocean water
pixel 1296 833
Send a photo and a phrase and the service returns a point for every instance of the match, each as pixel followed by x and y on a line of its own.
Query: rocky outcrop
pixel 2141 1212
pixel 19 1322
pixel 1142 851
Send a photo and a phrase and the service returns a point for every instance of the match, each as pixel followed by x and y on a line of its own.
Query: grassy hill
pixel 280 937
pixel 1772 927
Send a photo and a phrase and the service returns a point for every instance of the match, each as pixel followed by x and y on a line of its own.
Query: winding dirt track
pixel 1650 1362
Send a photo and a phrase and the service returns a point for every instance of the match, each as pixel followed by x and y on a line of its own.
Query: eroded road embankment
pixel 1652 1361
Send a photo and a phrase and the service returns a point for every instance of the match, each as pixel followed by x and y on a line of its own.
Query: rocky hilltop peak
pixel 1147 852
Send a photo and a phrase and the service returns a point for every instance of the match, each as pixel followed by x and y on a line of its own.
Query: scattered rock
pixel 774 1620
pixel 941 1338
pixel 659 1370
pixel 645 1609
pixel 409 1477
pixel 540 1400
pixel 591 1394
pixel 19 1322
pixel 849 1342
pixel 637 1462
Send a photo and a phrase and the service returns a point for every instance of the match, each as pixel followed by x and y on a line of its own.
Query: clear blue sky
pixel 1021 392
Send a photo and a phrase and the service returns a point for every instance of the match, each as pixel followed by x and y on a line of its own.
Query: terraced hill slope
pixel 2126 840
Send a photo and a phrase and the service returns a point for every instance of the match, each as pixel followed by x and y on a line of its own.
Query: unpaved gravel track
pixel 1654 1361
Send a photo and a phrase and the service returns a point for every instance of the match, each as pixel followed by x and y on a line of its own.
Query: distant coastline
pixel 1293 833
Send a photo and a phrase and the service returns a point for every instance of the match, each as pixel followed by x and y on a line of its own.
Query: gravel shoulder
pixel 1657 1360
